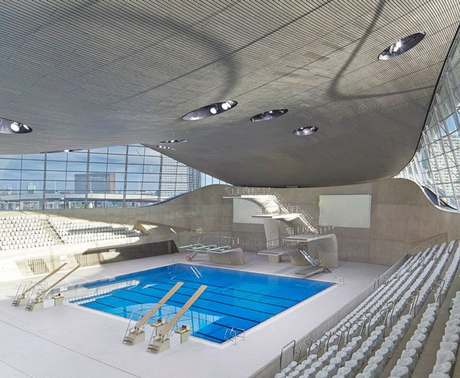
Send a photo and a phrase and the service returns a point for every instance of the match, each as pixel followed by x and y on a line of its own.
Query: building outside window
pixel 119 176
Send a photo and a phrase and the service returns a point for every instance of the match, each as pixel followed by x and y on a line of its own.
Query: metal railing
pixel 322 230
pixel 233 335
pixel 274 243
pixel 295 350
pixel 240 191
pixel 217 240
pixel 284 206
pixel 431 242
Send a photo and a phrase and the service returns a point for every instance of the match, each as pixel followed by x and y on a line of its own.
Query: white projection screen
pixel 345 210
pixel 243 210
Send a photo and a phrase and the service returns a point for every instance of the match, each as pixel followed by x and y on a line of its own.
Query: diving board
pixel 36 302
pixel 162 342
pixel 136 334
pixel 22 295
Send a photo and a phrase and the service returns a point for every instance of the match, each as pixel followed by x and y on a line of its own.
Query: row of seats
pixel 418 274
pixel 372 302
pixel 450 274
pixel 374 367
pixel 414 347
pixel 447 352
pixel 376 364
pixel 21 232
pixel 72 231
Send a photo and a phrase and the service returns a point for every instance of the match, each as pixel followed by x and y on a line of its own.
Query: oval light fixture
pixel 401 46
pixel 8 126
pixel 305 130
pixel 165 147
pixel 210 110
pixel 57 152
pixel 268 116
pixel 174 141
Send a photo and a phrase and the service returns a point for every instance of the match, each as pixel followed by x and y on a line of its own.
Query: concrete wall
pixel 401 218
pixel 203 210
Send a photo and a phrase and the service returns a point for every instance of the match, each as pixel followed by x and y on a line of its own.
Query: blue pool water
pixel 232 298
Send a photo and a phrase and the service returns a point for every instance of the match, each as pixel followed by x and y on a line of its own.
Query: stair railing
pixel 284 206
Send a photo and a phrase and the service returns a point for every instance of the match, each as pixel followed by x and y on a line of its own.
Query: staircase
pixel 285 208
pixel 281 206
pixel 314 260
pixel 311 257
pixel 51 231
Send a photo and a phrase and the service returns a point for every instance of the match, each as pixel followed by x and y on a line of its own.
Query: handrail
pixel 443 237
pixel 30 288
pixel 347 335
pixel 326 346
pixel 283 205
pixel 273 243
pixel 390 306
pixel 235 335
pixel 361 322
pixel 413 306
pixel 438 293
pixel 293 343
pixel 367 320
pixel 308 344
pixel 215 240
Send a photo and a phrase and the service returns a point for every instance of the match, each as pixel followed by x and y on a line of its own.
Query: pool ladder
pixel 232 334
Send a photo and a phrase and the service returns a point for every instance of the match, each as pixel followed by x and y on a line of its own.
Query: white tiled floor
pixel 71 341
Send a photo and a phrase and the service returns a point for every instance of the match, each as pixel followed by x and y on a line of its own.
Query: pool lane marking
pixel 216 301
pixel 242 291
pixel 281 307
pixel 195 332
pixel 195 307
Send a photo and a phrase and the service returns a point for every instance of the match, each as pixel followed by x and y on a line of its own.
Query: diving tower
pixel 305 238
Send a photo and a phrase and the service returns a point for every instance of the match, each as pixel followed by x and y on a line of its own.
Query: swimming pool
pixel 232 298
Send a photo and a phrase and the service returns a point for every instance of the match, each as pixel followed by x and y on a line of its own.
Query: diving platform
pixel 312 270
pixel 307 237
pixel 220 250
pixel 323 245
pixel 275 255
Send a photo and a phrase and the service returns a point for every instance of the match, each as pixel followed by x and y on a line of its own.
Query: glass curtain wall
pixel 436 163
pixel 120 176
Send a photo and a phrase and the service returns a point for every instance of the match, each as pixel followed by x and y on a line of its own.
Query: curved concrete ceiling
pixel 88 74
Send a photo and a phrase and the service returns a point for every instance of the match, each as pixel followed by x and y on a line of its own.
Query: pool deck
pixel 72 341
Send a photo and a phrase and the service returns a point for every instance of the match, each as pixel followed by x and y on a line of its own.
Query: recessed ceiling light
pixel 174 141
pixel 210 110
pixel 306 130
pixel 401 46
pixel 268 116
pixel 8 126
pixel 57 152
pixel 165 147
